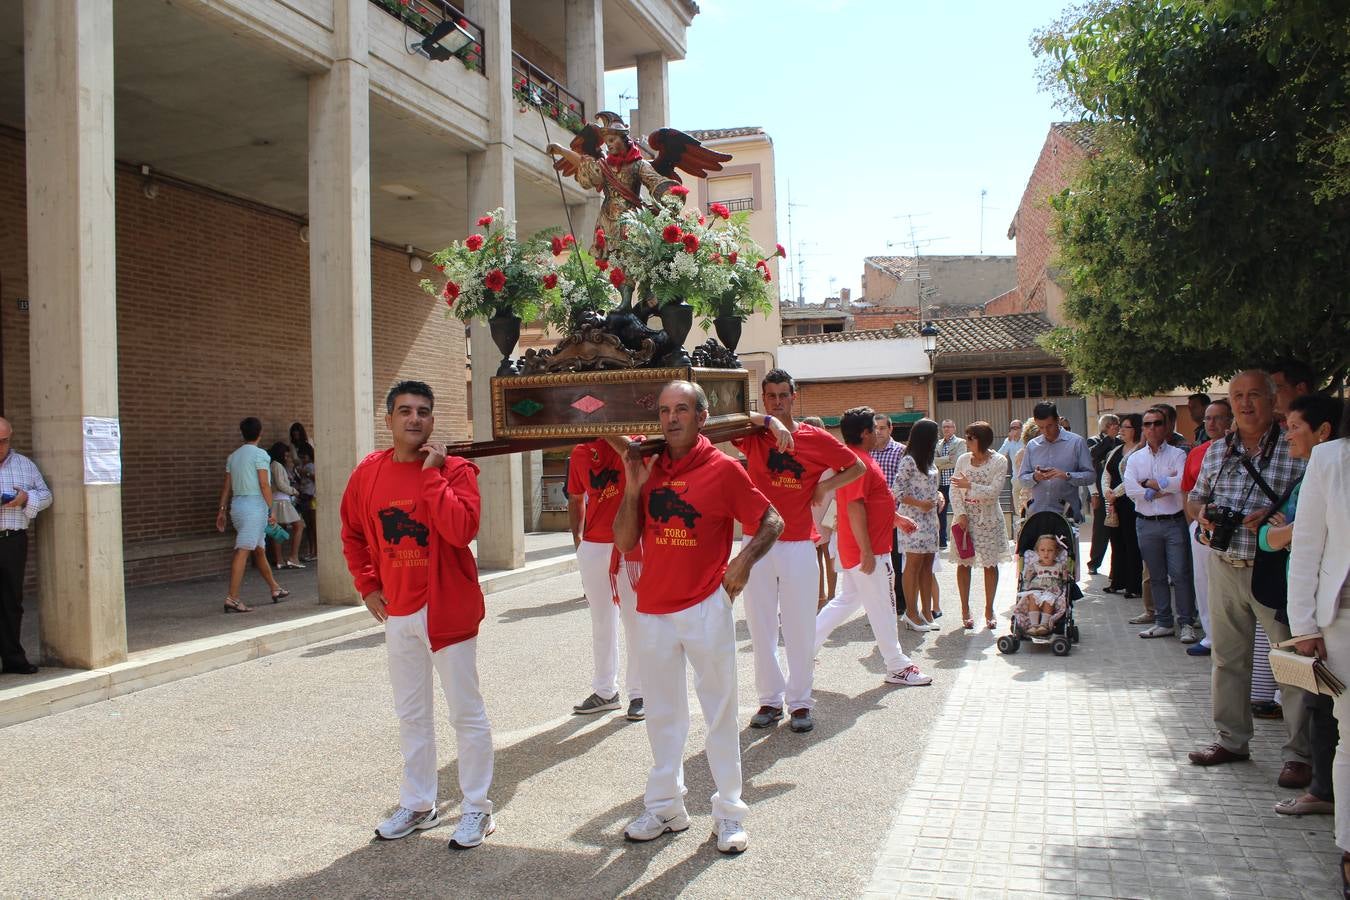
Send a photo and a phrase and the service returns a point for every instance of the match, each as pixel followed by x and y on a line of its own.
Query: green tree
pixel 1210 229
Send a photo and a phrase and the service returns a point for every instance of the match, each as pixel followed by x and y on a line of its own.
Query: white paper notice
pixel 102 451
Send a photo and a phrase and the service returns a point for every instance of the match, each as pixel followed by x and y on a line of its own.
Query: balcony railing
pixel 532 86
pixel 737 205
pixel 422 17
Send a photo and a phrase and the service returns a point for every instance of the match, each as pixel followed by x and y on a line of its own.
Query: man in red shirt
pixel 866 512
pixel 782 588
pixel 683 505
pixel 1218 417
pixel 594 488
pixel 408 515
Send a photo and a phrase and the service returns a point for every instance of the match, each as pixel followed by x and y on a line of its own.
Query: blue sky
pixel 878 109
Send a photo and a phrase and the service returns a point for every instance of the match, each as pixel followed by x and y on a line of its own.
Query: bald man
pixel 23 494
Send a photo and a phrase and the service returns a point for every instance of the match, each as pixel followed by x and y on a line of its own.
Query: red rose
pixel 602 264
pixel 440 268
pixel 732 258
pixel 474 241
pixel 495 280
pixel 720 210
pixel 568 240
pixel 702 220
pixel 717 257
pixel 767 276
pixel 462 23
pixel 599 239
pixel 762 265
pixel 672 234
pixel 485 221
pixel 550 281
pixel 780 251
pixel 451 292
pixel 616 277
pixel 556 245
pixel 680 190
pixel 690 243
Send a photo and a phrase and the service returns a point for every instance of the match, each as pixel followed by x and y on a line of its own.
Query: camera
pixel 1224 521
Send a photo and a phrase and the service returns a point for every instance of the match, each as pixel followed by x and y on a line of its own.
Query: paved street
pixel 1029 774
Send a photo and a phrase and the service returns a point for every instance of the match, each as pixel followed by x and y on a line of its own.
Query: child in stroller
pixel 1044 596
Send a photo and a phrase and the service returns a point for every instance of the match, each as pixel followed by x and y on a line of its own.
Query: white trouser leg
pixel 841 606
pixel 878 598
pixel 409 654
pixel 627 582
pixel 761 615
pixel 1200 577
pixel 457 667
pixel 593 562
pixel 1337 638
pixel 708 632
pixel 797 599
pixel 667 706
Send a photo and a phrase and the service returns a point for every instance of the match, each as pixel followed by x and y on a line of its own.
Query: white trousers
pixel 410 664
pixel 1200 576
pixel 876 593
pixel 1337 638
pixel 593 561
pixel 782 591
pixel 705 635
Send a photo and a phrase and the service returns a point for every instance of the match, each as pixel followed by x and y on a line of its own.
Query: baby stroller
pixel 1064 631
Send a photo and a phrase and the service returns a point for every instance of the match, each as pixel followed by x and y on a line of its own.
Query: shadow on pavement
pixel 557 608
pixel 363 642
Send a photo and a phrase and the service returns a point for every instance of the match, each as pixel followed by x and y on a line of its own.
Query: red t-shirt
pixel 403 536
pixel 1191 473
pixel 687 508
pixel 880 507
pixel 789 479
pixel 596 471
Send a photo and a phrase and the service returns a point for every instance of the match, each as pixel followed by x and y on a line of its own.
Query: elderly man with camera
pixel 1242 476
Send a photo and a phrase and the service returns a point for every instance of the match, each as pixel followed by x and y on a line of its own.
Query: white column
pixel 653 78
pixel 585 50
pixel 339 282
pixel 72 278
pixel 492 184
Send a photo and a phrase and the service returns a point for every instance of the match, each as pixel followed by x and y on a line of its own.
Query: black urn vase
pixel 505 328
pixel 728 330
pixel 677 319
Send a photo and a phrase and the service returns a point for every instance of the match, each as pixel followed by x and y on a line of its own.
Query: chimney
pixel 844 295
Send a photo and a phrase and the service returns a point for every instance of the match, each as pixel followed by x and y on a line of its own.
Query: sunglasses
pixel 1154 424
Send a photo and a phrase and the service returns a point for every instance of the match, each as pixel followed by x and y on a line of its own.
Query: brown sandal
pixel 236 606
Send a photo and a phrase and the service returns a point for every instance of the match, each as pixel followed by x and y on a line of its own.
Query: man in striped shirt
pixel 23 494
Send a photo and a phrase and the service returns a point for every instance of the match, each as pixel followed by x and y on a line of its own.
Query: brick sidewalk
pixel 1068 776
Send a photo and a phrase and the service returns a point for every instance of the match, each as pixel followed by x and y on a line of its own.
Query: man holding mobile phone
pixel 23 494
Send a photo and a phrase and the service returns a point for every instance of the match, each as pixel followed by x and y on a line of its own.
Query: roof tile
pixel 980 334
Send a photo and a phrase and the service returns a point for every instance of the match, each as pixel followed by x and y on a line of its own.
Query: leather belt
pixel 1235 563
pixel 1175 515
pixel 13 531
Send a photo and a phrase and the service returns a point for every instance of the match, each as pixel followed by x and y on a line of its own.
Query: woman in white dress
pixel 977 484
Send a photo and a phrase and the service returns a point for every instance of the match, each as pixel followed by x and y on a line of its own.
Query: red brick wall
pixel 864 320
pixel 213 326
pixel 1005 304
pixel 1035 246
pixel 887 395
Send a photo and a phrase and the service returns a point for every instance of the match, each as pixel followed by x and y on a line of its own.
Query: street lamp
pixel 929 333
pixel 444 42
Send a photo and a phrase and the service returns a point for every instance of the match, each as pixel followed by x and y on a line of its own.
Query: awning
pixel 896 419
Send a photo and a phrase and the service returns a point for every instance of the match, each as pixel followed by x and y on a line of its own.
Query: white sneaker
pixel 1158 631
pixel 1188 635
pixel 910 677
pixel 731 836
pixel 405 821
pixel 472 828
pixel 649 826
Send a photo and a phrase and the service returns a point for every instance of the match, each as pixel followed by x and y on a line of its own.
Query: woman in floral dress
pixel 916 488
pixel 977 484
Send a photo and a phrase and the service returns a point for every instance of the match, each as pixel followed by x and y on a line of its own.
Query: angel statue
pixel 603 157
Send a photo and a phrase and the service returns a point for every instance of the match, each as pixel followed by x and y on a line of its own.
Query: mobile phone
pixel 7 497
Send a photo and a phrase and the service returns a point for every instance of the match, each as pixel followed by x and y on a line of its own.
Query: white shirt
pixel 1164 466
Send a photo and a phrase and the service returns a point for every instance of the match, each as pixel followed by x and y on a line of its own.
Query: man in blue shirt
pixel 1055 465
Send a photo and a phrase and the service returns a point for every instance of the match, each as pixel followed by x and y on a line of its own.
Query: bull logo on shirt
pixel 397 525
pixel 664 504
pixel 604 478
pixel 785 464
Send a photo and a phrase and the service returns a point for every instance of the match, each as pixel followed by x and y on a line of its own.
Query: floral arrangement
pixel 528 94
pixel 495 272
pixel 577 288
pixel 674 254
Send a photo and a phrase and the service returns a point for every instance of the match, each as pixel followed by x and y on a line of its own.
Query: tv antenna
pixel 919 273
pixel 795 267
pixel 983 193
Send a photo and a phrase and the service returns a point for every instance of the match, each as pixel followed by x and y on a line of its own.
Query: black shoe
pixel 1111 590
pixel 23 668
pixel 1092 570
pixel 637 711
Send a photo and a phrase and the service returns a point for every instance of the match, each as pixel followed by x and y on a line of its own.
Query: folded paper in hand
pixel 1307 672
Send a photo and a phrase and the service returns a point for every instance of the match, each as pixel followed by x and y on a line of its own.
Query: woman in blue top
pixel 247 494
pixel 1311 420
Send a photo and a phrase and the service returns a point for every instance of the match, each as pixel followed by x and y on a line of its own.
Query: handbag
pixel 1270 568
pixel 965 544
pixel 277 533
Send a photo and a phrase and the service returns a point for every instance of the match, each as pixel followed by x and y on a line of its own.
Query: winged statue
pixel 603 157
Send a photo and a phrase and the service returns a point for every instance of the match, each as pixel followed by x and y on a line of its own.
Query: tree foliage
pixel 1210 228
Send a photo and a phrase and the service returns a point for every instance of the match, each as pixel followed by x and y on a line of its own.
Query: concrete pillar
pixel 339 282
pixel 585 52
pixel 492 184
pixel 653 78
pixel 72 278
pixel 531 470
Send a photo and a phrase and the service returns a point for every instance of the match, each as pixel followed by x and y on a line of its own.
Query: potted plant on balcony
pixel 748 292
pixel 496 276
pixel 672 260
